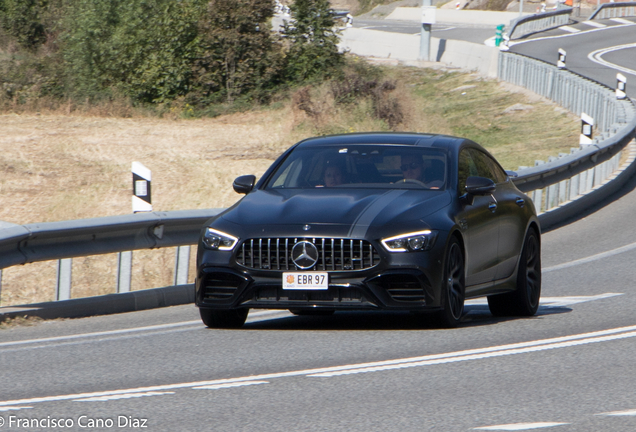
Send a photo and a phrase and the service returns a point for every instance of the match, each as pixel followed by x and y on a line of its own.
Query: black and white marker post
pixel 587 126
pixel 141 199
pixel 561 59
pixel 621 86
pixel 141 202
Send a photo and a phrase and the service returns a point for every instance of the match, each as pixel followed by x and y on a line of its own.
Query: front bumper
pixel 403 287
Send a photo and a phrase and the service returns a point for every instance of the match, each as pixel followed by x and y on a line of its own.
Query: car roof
pixel 390 138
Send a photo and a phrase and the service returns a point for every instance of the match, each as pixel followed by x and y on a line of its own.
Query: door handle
pixel 520 202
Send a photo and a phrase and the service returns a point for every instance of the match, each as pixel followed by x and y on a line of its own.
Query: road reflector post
pixel 621 86
pixel 587 126
pixel 561 59
pixel 142 198
pixel 499 34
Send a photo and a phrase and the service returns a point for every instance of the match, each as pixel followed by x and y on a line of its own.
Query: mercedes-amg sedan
pixel 372 221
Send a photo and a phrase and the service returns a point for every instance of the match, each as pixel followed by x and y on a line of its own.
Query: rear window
pixel 360 166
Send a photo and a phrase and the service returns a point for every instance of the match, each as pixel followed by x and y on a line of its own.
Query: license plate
pixel 306 281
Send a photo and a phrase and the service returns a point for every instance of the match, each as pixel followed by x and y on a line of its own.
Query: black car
pixel 372 221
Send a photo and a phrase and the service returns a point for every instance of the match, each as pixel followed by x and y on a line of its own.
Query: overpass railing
pixel 527 25
pixel 614 10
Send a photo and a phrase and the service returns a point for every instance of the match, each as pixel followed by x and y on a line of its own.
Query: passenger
pixel 333 176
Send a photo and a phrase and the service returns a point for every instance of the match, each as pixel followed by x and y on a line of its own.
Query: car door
pixel 479 225
pixel 510 204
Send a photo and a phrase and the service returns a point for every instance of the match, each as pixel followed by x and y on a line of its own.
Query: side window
pixel 500 174
pixel 467 167
pixel 483 165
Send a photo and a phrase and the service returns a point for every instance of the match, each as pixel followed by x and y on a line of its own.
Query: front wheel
pixel 233 318
pixel 524 301
pixel 453 287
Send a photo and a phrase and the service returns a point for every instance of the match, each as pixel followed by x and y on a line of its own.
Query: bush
pixel 237 52
pixel 313 51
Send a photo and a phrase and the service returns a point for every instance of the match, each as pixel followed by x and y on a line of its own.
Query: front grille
pixel 334 254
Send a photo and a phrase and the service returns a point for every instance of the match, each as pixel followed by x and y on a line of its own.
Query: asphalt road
pixel 594 52
pixel 570 368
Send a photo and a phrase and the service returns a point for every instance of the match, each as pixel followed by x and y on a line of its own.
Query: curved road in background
pixel 570 368
pixel 597 53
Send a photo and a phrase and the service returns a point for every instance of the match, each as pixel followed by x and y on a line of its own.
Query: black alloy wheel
pixel 228 319
pixel 454 286
pixel 525 300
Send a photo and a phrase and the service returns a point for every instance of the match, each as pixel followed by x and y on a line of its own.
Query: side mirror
pixel 244 184
pixel 477 186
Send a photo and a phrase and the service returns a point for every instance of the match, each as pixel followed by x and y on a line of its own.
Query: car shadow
pixel 476 315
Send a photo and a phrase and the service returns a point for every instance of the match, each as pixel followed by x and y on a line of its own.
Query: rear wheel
pixel 453 287
pixel 524 301
pixel 233 318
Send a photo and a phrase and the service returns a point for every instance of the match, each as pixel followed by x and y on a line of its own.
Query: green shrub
pixel 313 51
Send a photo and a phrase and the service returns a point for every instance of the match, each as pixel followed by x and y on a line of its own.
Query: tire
pixel 312 312
pixel 453 287
pixel 524 301
pixel 227 319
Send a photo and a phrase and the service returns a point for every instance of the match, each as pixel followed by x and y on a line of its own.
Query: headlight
pixel 415 241
pixel 217 240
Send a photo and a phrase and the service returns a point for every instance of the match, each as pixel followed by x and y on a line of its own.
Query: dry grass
pixel 60 166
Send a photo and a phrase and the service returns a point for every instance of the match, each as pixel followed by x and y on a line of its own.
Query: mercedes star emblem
pixel 304 254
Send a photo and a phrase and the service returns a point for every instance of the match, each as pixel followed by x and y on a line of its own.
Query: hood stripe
pixel 361 225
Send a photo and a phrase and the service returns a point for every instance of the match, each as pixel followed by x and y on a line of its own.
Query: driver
pixel 412 168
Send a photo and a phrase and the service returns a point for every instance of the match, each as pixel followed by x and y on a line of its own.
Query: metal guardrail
pixel 570 176
pixel 614 10
pixel 525 26
pixel 23 244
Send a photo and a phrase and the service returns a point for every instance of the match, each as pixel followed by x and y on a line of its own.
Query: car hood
pixel 334 212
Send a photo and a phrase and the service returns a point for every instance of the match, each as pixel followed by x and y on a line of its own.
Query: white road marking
pixel 622 21
pixel 122 396
pixel 596 57
pixel 196 324
pixel 14 408
pixel 591 258
pixel 230 385
pixel 593 24
pixel 619 413
pixel 570 29
pixel 489 354
pixel 473 354
pixel 511 43
pixel 553 301
pixel 520 426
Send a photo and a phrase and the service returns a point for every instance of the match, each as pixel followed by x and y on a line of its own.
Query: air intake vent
pixel 334 254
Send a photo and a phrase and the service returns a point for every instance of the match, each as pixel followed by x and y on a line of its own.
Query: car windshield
pixel 362 166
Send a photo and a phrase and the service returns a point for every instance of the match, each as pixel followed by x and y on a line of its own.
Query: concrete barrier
pixel 452 16
pixel 406 48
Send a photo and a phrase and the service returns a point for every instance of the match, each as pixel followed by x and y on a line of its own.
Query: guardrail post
pixel 64 273
pixel 182 265
pixel 124 271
